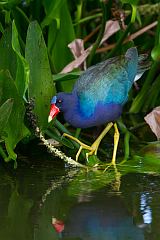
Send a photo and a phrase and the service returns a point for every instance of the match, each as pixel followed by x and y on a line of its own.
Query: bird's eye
pixel 59 101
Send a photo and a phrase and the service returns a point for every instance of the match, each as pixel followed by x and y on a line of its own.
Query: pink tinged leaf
pixel 111 28
pixel 153 120
pixel 77 62
pixel 77 47
pixel 58 225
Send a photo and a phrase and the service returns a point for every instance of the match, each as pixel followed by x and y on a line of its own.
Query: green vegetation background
pixel 34 38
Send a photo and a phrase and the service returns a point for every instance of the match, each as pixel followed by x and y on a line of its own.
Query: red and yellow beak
pixel 54 110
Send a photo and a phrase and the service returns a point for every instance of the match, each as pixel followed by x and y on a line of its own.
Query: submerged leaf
pixel 153 120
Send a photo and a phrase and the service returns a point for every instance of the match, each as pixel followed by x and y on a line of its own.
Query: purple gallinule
pixel 98 96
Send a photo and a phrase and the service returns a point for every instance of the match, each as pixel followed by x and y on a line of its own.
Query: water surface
pixel 86 206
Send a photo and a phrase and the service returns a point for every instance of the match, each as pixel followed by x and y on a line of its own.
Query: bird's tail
pixel 143 65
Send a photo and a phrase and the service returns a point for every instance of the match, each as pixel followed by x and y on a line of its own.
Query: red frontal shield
pixel 53 112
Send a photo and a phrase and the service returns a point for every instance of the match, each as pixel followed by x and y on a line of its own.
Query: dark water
pixel 88 206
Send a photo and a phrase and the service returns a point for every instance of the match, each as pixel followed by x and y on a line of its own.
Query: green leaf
pixel 156 50
pixel 52 11
pixel 9 3
pixel 1 28
pixel 66 76
pixel 15 128
pixel 5 111
pixel 59 38
pixel 59 138
pixel 22 74
pixel 8 57
pixel 132 2
pixel 41 86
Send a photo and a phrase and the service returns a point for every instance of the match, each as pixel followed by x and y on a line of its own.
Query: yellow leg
pixel 94 147
pixel 82 145
pixel 116 140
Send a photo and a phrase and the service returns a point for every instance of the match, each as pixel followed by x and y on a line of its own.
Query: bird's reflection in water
pixel 105 216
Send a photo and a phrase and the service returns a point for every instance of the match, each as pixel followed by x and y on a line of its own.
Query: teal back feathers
pixel 107 82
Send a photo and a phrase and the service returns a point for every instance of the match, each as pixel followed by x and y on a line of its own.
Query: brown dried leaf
pixel 153 120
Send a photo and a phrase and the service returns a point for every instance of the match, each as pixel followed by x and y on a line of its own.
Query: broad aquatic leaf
pixel 5 111
pixel 153 120
pixel 15 128
pixel 66 76
pixel 22 74
pixel 59 37
pixel 41 86
pixel 7 55
pixel 52 11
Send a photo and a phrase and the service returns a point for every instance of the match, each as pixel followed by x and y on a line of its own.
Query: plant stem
pixel 134 11
pixel 23 14
pixel 83 20
pixel 78 17
pixel 77 133
pixel 120 41
pixel 126 145
pixel 64 130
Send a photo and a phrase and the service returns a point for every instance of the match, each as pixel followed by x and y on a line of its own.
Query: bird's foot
pixel 82 146
pixel 94 147
pixel 111 164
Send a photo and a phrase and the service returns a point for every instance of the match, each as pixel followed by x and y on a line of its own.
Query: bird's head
pixel 55 108
pixel 59 103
